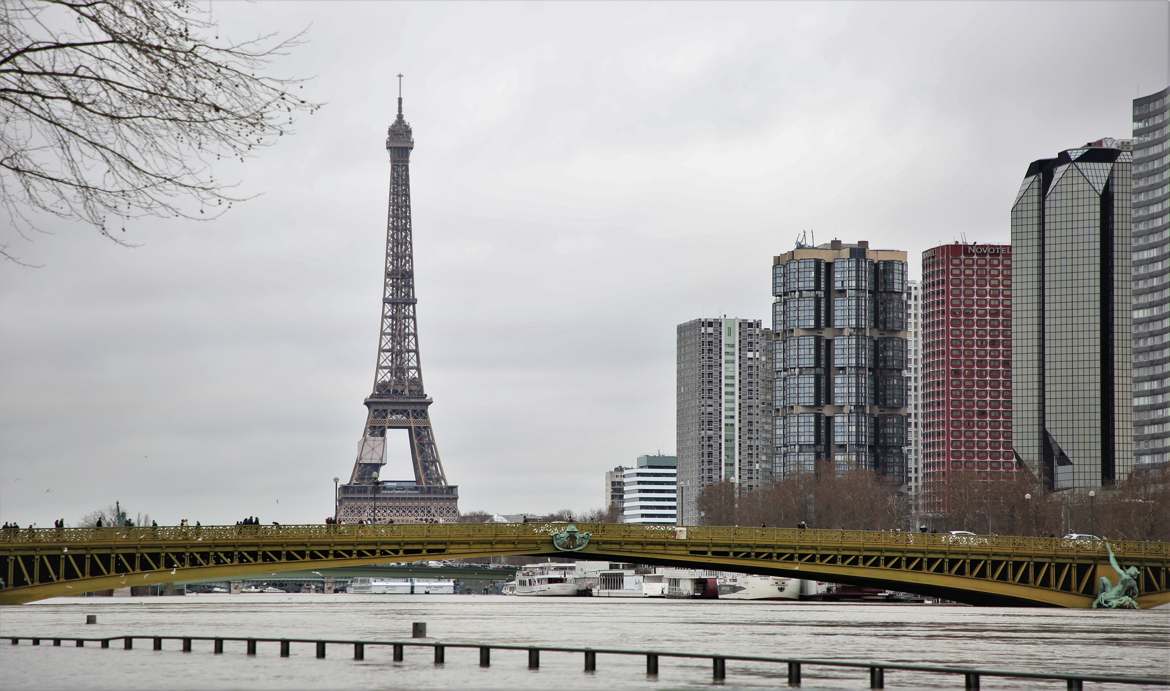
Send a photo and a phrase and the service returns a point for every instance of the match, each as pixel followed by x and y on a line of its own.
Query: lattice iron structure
pixel 398 399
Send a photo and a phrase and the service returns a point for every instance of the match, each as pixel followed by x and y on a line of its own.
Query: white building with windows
pixel 913 390
pixel 650 491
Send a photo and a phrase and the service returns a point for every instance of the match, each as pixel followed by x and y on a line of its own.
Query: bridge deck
pixel 35 564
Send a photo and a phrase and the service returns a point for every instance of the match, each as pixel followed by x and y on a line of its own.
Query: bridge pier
pixel 485 656
pixel 397 652
pixel 157 643
pixel 718 668
pixel 127 642
pixel 440 655
pixel 590 661
pixel 971 681
pixel 534 658
pixel 877 678
pixel 251 646
pixel 217 647
pixel 651 665
pixel 186 645
pixel 284 648
pixel 794 674
pixel 320 649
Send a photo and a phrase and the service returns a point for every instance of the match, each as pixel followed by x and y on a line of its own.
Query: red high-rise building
pixel 966 366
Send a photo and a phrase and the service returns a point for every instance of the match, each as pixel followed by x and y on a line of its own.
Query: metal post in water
pixel 718 668
pixel 651 665
pixel 485 656
pixel 397 652
pixel 418 629
pixel 534 658
pixel 590 661
pixel 794 674
pixel 440 655
pixel 877 678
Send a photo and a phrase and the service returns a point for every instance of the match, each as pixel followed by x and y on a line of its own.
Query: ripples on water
pixel 1043 640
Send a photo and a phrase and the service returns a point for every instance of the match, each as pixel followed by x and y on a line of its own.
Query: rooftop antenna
pixel 400 94
pixel 813 236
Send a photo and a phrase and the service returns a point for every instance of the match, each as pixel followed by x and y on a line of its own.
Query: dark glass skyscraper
pixel 1151 278
pixel 839 324
pixel 1071 376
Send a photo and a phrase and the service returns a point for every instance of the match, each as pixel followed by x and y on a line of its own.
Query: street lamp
pixel 1031 516
pixel 1092 511
pixel 335 497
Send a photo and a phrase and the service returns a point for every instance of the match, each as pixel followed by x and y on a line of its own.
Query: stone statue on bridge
pixel 1124 594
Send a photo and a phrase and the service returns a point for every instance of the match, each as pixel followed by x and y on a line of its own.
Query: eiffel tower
pixel 398 400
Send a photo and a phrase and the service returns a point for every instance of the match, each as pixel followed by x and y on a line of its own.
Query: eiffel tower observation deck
pixel 398 400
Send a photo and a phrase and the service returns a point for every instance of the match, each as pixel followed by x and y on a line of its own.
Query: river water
pixel 1044 640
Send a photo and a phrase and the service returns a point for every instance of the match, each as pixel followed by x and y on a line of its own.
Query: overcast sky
pixel 585 177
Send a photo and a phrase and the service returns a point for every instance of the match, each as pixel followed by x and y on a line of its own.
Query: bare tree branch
pixel 115 110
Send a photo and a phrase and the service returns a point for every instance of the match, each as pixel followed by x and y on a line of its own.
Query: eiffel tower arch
pixel 398 400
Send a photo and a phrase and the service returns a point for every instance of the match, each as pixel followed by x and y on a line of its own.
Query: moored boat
pixel 739 586
pixel 547 580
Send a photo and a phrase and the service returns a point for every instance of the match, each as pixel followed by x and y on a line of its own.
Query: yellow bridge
pixel 1001 570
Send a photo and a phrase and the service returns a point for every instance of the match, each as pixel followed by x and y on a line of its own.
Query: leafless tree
pixel 717 504
pixel 475 517
pixel 113 110
pixel 112 515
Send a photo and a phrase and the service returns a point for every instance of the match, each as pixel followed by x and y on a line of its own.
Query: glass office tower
pixel 1151 278
pixel 1071 283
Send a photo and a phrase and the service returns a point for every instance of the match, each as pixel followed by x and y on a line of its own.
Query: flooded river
pixel 1043 640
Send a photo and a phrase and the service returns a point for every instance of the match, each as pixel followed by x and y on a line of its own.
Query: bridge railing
pixel 524 534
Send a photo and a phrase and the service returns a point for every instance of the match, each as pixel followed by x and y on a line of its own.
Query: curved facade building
pixel 1151 278
pixel 1071 369
pixel 840 330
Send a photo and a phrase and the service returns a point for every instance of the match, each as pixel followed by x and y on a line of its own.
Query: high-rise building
pixel 723 407
pixel 1071 316
pixel 1151 278
pixel 966 366
pixel 839 324
pixel 913 449
pixel 650 491
pixel 615 490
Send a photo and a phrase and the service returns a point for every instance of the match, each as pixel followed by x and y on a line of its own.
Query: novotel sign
pixel 986 249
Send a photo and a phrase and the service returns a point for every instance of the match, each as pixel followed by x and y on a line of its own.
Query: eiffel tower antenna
pixel 398 400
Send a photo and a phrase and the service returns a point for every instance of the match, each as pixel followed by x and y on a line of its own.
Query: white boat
pixel 739 586
pixel 547 580
pixel 272 589
pixel 508 588
pixel 654 585
pixel 433 586
pixel 401 586
pixel 620 583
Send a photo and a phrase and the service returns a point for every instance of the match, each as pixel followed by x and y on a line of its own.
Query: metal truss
pixel 398 399
pixel 36 564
